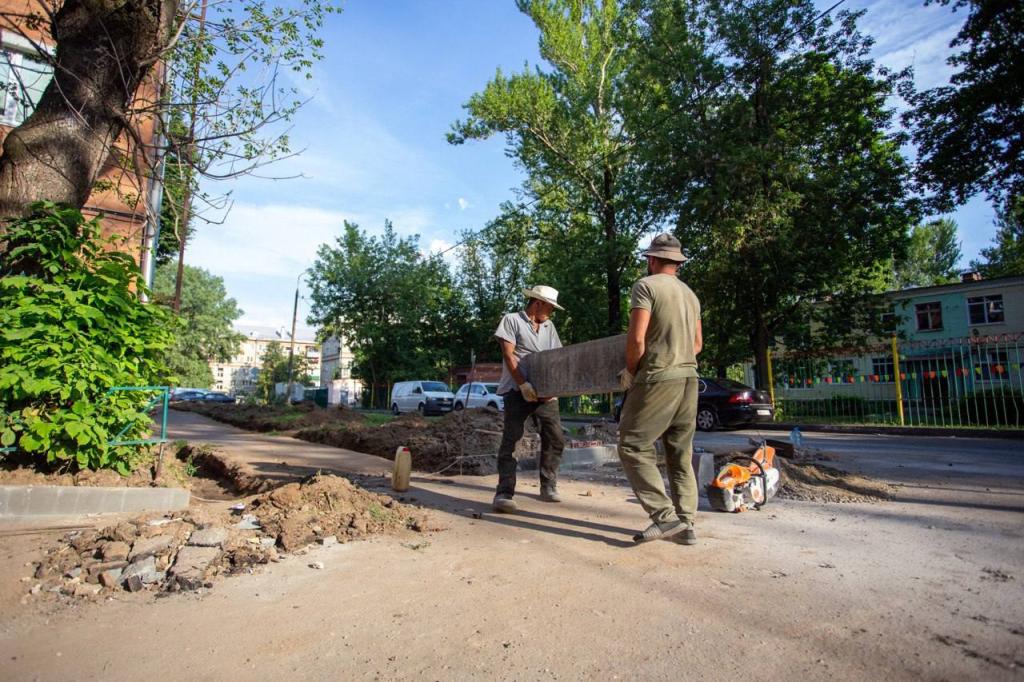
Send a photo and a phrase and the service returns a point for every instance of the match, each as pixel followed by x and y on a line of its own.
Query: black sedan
pixel 724 402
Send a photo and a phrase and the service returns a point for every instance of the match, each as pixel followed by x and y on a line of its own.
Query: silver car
pixel 479 394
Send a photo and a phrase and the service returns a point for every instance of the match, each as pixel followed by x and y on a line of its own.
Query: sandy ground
pixel 930 586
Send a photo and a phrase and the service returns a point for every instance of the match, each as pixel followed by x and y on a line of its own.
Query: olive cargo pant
pixel 666 410
pixel 517 410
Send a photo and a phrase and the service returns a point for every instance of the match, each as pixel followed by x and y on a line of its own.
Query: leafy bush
pixel 71 327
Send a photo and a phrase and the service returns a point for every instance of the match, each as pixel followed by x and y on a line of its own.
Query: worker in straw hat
pixel 662 344
pixel 520 334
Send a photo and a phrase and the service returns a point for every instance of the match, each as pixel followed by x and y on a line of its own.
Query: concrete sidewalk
pixel 277 458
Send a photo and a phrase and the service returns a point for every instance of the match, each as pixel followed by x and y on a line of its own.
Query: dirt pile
pixel 189 550
pixel 461 442
pixel 266 418
pixel 802 480
pixel 27 471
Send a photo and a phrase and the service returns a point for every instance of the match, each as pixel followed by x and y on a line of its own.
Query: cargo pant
pixel 666 410
pixel 517 411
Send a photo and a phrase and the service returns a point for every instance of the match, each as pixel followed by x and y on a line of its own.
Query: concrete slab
pixel 580 369
pixel 584 458
pixel 35 501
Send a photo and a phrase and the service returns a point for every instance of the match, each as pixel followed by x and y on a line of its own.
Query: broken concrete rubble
pixel 188 551
pixel 189 571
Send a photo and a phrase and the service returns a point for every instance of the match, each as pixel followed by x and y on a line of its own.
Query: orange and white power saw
pixel 744 481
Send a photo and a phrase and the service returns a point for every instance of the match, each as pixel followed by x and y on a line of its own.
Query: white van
pixel 425 397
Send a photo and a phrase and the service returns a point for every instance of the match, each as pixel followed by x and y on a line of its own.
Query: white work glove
pixel 528 391
pixel 625 380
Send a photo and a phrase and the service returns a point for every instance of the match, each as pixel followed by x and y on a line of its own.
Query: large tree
pixel 1005 258
pixel 771 136
pixel 206 75
pixel 932 255
pixel 399 310
pixel 564 127
pixel 970 133
pixel 207 314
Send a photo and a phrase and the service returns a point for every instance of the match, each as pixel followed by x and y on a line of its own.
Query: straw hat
pixel 543 293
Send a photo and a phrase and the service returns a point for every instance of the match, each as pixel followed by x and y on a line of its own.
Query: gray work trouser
pixel 517 411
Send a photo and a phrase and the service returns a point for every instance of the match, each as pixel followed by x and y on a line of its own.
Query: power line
pixel 521 210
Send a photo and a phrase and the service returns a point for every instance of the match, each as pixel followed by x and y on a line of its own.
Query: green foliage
pixel 564 125
pixel 768 134
pixel 71 327
pixel 207 315
pixel 932 256
pixel 1005 258
pixel 969 132
pixel 274 370
pixel 491 276
pixel 400 310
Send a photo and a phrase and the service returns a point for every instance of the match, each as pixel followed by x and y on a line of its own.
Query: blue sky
pixel 395 76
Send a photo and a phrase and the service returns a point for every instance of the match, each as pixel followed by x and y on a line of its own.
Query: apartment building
pixel 336 372
pixel 238 376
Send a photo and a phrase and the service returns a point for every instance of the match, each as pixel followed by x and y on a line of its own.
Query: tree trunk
pixel 105 50
pixel 760 340
pixel 611 242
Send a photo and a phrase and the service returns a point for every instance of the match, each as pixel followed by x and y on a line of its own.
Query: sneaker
pixel 659 531
pixel 687 537
pixel 504 503
pixel 550 495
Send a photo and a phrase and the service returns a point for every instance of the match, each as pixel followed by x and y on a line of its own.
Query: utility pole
pixel 291 351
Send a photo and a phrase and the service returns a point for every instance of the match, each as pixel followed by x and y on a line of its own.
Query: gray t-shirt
pixel 517 329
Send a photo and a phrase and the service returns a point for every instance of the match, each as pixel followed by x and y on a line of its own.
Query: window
pixel 985 309
pixel 884 369
pixel 888 322
pixel 24 78
pixel 929 316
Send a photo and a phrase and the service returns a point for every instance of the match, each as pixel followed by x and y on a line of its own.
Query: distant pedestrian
pixel 520 334
pixel 662 344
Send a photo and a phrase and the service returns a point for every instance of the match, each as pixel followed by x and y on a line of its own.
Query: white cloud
pixel 463 204
pixel 928 57
pixel 270 240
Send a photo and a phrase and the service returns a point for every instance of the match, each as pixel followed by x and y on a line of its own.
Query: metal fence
pixel 969 382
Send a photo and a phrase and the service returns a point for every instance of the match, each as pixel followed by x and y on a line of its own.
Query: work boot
pixel 504 503
pixel 549 494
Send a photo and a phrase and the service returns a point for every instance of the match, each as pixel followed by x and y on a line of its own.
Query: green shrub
pixel 71 327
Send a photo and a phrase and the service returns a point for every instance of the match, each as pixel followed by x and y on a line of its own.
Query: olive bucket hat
pixel 665 246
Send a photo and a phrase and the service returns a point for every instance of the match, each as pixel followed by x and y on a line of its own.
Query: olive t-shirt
pixel 668 345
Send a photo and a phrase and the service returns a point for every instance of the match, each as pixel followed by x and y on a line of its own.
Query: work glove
pixel 528 391
pixel 625 380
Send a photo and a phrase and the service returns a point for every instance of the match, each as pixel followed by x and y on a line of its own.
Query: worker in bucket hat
pixel 660 378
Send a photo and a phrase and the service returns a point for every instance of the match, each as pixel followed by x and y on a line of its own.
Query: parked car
pixel 477 394
pixel 425 397
pixel 183 395
pixel 724 402
pixel 215 397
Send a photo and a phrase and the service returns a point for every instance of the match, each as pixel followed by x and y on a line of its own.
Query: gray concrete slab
pixel 35 501
pixel 580 369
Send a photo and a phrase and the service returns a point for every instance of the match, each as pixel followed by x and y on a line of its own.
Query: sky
pixel 395 76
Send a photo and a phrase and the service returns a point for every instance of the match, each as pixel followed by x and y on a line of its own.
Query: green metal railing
pixel 162 397
pixel 969 382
